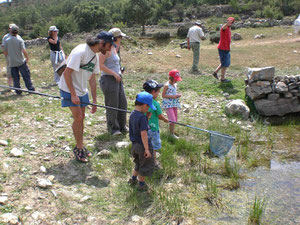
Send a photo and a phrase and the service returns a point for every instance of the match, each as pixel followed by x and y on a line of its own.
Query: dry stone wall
pixel 273 96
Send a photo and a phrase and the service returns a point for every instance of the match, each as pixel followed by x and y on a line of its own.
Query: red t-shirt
pixel 225 39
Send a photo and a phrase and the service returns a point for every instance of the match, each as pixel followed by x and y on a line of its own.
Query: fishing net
pixel 220 144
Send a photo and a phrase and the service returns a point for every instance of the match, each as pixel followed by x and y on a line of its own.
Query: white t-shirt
pixel 195 33
pixel 80 55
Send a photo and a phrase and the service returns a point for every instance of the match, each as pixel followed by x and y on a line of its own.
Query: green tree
pixel 65 24
pixel 139 11
pixel 90 15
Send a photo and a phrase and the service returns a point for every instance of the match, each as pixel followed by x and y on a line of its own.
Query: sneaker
pixel 225 81
pixel 116 133
pixel 215 75
pixel 132 182
pixel 125 130
pixel 143 188
pixel 174 136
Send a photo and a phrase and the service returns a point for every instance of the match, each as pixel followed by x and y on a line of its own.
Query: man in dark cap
pixel 82 67
pixel 14 48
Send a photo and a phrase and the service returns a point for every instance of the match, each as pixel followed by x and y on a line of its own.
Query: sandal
pixel 80 155
pixel 87 152
pixel 215 75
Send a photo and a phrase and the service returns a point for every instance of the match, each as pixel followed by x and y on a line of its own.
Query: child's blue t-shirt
pixel 138 122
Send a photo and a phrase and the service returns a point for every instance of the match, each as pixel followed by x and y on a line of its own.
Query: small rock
pixel 67 149
pixel 43 169
pixel 178 56
pixel 28 208
pixel 288 95
pixel 150 53
pixel 295 51
pixel 3 199
pixel 89 123
pixel 104 153
pixel 33 153
pixel 186 106
pixel 10 218
pixel 3 142
pixel 91 219
pixel 54 193
pixel 122 144
pixel 290 34
pixel 44 183
pixel 51 178
pixel 16 152
pixel 186 110
pixel 47 158
pixel 85 198
pixel 136 218
pixel 60 125
pixel 37 215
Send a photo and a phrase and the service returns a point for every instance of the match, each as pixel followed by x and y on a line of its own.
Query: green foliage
pixel 162 35
pixel 119 25
pixel 65 24
pixel 163 23
pixel 90 15
pixel 272 12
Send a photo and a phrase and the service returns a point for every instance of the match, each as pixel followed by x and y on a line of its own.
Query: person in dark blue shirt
pixel 141 150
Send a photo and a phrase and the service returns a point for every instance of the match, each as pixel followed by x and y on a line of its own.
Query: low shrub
pixel 162 35
pixel 163 23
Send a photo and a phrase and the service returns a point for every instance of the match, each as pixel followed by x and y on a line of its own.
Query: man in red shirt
pixel 224 50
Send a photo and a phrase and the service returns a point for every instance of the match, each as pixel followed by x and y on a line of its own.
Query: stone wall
pixel 273 96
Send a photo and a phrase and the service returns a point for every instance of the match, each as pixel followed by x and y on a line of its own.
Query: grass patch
pixel 257 211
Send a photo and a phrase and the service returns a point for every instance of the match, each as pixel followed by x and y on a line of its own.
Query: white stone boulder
pixel 261 74
pixel 237 107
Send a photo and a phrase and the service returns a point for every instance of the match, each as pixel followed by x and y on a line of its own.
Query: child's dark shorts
pixel 144 166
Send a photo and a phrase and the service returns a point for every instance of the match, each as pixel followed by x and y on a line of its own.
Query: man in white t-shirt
pixel 82 67
pixel 194 36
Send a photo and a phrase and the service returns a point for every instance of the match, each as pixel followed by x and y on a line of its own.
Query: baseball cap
pixel 53 28
pixel 150 85
pixel 146 98
pixel 117 32
pixel 14 28
pixel 106 37
pixel 231 19
pixel 176 74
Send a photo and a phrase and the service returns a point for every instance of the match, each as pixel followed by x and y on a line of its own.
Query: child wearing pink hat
pixel 170 100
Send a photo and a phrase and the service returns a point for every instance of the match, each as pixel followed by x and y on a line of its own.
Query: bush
pixel 65 24
pixel 163 23
pixel 162 35
pixel 119 25
pixel 182 31
pixel 272 13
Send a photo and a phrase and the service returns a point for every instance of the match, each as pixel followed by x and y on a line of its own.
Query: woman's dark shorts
pixel 224 57
pixel 144 166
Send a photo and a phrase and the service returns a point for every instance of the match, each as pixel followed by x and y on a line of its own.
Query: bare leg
pixel 218 68
pixel 135 173
pixel 172 127
pixel 223 70
pixel 142 178
pixel 77 126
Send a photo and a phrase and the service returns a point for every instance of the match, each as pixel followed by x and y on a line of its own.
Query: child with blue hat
pixel 141 150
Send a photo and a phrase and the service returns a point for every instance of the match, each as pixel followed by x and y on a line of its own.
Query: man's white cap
pixel 117 32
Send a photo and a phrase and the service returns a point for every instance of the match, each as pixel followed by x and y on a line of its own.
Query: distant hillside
pixel 35 16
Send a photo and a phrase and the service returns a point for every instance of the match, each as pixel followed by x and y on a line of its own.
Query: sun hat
pixel 14 28
pixel 176 74
pixel 151 85
pixel 53 28
pixel 198 22
pixel 11 25
pixel 106 37
pixel 117 32
pixel 146 98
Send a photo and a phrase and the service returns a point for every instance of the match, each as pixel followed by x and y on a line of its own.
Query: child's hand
pixel 149 114
pixel 178 95
pixel 147 154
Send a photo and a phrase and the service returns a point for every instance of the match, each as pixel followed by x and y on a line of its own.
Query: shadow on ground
pixel 74 173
